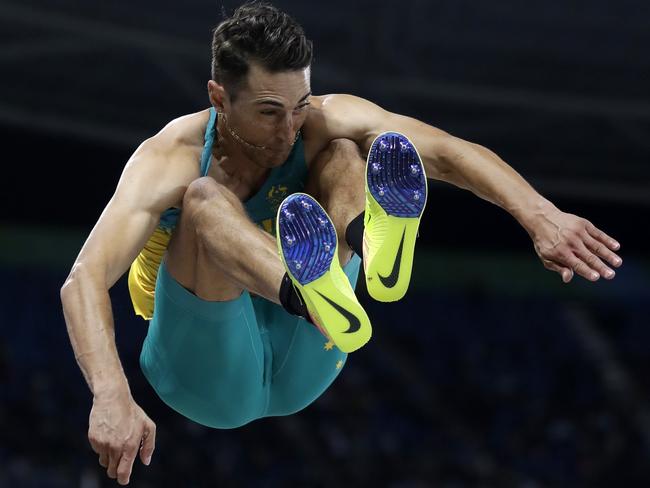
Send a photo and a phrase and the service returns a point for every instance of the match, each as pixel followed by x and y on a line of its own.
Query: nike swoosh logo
pixel 391 280
pixel 355 323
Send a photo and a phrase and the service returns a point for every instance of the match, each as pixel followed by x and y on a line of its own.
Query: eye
pixel 302 107
pixel 269 112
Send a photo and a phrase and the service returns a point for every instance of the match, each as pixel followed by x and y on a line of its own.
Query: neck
pixel 232 154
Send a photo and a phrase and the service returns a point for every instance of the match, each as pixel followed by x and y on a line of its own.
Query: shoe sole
pixel 308 245
pixel 396 182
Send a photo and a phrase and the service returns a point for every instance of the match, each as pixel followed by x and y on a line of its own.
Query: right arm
pixel 149 184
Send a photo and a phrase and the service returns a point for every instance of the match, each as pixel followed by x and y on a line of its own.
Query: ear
pixel 217 94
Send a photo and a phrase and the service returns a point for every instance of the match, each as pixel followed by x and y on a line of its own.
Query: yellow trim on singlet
pixel 261 208
pixel 144 271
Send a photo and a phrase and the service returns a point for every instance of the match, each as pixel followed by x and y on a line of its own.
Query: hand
pixel 567 243
pixel 118 429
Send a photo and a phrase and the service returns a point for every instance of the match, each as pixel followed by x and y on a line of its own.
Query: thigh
pixel 187 258
pixel 305 363
pixel 206 360
pixel 337 180
pixel 304 370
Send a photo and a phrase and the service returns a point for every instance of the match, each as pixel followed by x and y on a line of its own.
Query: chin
pixel 269 161
pixel 274 163
pixel 277 159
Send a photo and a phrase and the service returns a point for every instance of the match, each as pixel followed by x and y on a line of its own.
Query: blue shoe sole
pixel 308 238
pixel 395 176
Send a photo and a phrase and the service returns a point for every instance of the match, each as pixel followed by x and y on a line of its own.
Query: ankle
pixel 291 299
pixel 354 234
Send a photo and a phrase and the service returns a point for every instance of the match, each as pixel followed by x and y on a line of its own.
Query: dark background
pixel 490 373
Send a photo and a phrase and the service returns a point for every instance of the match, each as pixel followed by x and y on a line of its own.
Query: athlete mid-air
pixel 241 220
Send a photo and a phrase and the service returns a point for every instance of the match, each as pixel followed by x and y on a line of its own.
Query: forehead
pixel 287 85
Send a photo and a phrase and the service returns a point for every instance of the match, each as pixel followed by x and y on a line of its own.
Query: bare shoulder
pixel 340 115
pixel 186 130
pixel 183 134
pixel 179 143
pixel 165 164
pixel 328 109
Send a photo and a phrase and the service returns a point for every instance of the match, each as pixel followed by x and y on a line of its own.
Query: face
pixel 267 113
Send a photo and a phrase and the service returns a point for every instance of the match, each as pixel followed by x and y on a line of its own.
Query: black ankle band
pixel 354 234
pixel 291 300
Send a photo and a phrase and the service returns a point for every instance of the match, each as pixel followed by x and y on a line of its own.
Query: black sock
pixel 291 299
pixel 354 234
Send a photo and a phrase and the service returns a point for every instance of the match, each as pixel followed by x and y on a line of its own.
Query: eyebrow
pixel 278 104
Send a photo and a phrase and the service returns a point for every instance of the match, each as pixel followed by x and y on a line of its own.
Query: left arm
pixel 565 243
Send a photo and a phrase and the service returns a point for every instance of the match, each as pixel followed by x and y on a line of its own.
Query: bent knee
pixel 206 190
pixel 341 149
pixel 340 155
pixel 200 190
pixel 343 145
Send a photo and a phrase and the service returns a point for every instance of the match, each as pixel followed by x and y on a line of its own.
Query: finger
pixel 125 466
pixel 100 449
pixel 103 460
pixel 564 272
pixel 148 443
pixel 602 237
pixel 113 461
pixel 95 444
pixel 602 251
pixel 583 269
pixel 594 262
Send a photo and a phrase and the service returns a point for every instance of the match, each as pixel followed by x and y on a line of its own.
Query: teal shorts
pixel 224 364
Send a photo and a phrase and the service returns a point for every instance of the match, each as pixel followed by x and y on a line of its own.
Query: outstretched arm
pixel 119 429
pixel 564 242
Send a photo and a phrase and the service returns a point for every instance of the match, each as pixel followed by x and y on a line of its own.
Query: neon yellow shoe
pixel 308 246
pixel 396 194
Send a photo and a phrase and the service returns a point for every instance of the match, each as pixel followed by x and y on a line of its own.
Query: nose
pixel 286 131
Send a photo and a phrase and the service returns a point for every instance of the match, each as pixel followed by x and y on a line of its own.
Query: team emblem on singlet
pixel 274 197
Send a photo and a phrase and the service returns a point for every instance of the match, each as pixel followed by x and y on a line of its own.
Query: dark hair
pixel 261 33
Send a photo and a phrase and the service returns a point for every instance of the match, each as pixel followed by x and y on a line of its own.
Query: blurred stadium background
pixel 491 373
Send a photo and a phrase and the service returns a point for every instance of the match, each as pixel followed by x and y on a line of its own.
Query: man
pixel 225 343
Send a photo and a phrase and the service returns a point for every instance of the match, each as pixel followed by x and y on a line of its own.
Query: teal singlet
pixel 225 364
pixel 261 207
